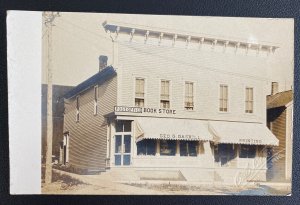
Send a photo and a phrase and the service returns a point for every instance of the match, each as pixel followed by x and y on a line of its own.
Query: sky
pixel 79 38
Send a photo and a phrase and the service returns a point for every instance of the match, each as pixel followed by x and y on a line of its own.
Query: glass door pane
pixel 118 149
pixel 126 159
pixel 127 143
pixel 127 150
pixel 118 143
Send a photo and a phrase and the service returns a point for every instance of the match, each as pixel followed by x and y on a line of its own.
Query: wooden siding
pixel 277 118
pixel 88 137
pixel 207 69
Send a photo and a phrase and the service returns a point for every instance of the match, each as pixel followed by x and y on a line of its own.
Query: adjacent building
pixel 280 122
pixel 172 104
pixel 58 91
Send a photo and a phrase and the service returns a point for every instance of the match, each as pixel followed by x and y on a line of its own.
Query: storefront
pixel 200 150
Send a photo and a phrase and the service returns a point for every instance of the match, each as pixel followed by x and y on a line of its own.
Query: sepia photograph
pixel 166 105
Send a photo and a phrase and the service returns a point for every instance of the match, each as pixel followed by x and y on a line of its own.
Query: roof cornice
pixel 133 29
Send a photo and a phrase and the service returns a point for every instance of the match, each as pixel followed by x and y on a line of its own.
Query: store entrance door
pixel 123 143
pixel 122 149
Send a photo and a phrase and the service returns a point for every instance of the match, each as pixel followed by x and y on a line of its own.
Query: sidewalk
pixel 106 186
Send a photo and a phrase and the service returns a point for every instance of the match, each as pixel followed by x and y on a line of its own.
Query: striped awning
pixel 171 129
pixel 242 133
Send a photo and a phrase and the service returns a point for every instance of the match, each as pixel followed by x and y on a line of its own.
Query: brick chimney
pixel 102 62
pixel 274 89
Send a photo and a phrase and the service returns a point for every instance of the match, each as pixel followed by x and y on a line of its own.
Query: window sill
pixel 224 112
pixel 190 110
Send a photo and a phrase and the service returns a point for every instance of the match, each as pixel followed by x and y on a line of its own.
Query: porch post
pixel 177 148
pixel 157 148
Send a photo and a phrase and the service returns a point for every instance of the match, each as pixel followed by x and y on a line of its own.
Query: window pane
pixel 141 147
pixel 126 159
pixel 151 147
pixel 168 147
pixel 251 151
pixel 164 104
pixel 139 102
pixel 225 92
pixel 127 125
pixel 192 148
pixel 216 153
pixel 183 148
pixel 146 147
pixel 117 159
pixel 118 144
pixel 226 153
pixel 243 151
pixel 247 151
pixel 139 87
pixel 119 126
pixel 127 143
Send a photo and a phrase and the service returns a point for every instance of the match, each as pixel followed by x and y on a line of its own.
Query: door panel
pixel 122 149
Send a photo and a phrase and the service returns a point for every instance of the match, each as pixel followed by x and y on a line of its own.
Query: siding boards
pixel 201 67
pixel 278 127
pixel 88 141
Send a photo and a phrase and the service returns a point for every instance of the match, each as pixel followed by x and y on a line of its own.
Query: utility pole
pixel 48 20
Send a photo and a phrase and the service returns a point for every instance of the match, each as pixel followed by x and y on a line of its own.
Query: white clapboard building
pixel 172 105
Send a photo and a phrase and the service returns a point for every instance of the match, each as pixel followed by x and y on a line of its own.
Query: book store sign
pixel 144 110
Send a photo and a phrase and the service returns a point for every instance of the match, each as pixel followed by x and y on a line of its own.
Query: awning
pixel 242 133
pixel 171 129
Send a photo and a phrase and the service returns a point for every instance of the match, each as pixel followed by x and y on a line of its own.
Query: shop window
pixel 189 96
pixel 247 151
pixel 165 94
pixel 123 126
pixel 167 147
pixel 223 101
pixel 249 100
pixel 224 153
pixel 146 147
pixel 188 148
pixel 139 92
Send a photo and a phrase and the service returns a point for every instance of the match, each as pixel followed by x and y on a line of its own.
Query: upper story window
pixel 223 100
pixel 139 92
pixel 96 100
pixel 165 94
pixel 77 109
pixel 189 96
pixel 249 100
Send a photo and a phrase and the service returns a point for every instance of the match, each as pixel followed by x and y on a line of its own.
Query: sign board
pixel 144 110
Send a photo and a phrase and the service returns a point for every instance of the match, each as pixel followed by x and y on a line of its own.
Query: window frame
pixel 219 98
pixel 96 99
pixel 185 96
pixel 135 91
pixel 247 101
pixel 160 94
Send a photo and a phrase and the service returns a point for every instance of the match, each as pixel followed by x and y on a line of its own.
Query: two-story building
pixel 173 104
